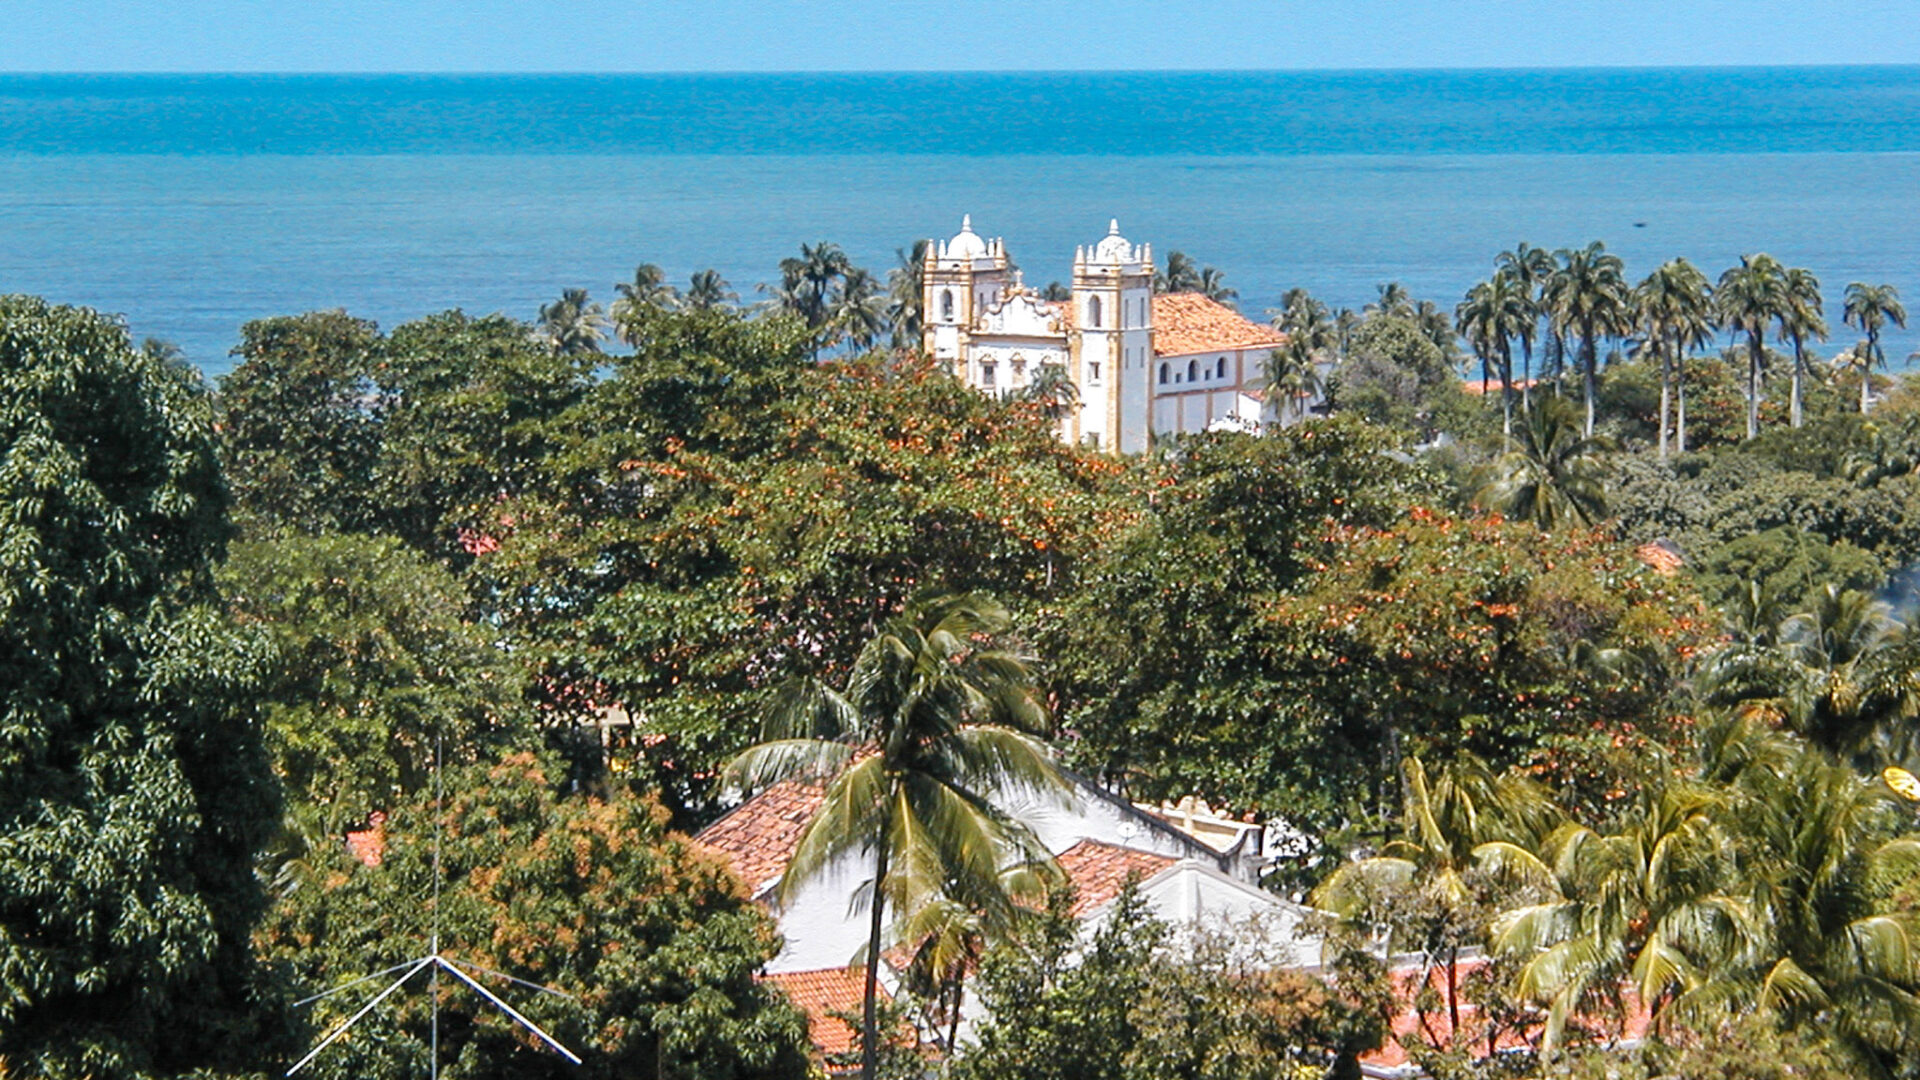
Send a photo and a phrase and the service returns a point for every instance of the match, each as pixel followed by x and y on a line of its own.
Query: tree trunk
pixel 1680 385
pixel 1755 357
pixel 1453 996
pixel 1506 394
pixel 1591 359
pixel 869 1020
pixel 1666 399
pixel 1526 375
pixel 1866 369
pixel 953 1022
pixel 1799 364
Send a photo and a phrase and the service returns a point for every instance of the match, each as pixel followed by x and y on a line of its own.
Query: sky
pixel 949 35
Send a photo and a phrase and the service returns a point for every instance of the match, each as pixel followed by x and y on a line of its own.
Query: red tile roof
pixel 759 836
pixel 1494 386
pixel 1099 871
pixel 1663 555
pixel 1185 323
pixel 821 993
pixel 1433 1026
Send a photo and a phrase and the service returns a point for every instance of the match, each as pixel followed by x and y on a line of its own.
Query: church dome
pixel 1114 249
pixel 966 245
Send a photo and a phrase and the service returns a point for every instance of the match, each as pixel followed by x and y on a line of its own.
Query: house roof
pixel 822 993
pixel 759 836
pixel 1185 323
pixel 1100 871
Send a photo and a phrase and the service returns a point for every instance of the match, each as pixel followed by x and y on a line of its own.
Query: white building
pixel 1101 842
pixel 1144 365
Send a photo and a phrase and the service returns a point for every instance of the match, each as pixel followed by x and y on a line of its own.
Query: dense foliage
pixel 134 790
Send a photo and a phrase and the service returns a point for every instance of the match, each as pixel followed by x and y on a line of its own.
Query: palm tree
pixel 859 307
pixel 1673 307
pixel 807 282
pixel 930 726
pixel 1824 849
pixel 1749 299
pixel 1529 267
pixel 1587 295
pixel 1554 476
pixel 1393 300
pixel 1868 309
pixel 1494 313
pixel 1437 325
pixel 1313 339
pixel 1802 320
pixel 708 291
pixel 1292 374
pixel 1212 284
pixel 648 287
pixel 1181 275
pixel 1052 390
pixel 1466 818
pixel 573 324
pixel 906 296
pixel 1640 906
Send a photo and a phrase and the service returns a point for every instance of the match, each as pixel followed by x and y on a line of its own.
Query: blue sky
pixel 801 35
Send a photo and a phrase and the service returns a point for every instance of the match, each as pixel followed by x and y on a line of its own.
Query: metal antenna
pixel 433 963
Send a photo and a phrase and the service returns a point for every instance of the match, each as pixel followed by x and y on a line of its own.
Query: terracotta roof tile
pixel 1185 323
pixel 1099 871
pixel 821 993
pixel 759 836
pixel 1663 555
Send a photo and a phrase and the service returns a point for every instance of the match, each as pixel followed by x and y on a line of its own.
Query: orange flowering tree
pixel 653 941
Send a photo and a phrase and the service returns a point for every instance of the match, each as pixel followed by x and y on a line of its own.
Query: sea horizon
pixel 193 202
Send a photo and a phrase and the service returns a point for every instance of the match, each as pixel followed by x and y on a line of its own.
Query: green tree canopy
pixel 651 938
pixel 134 790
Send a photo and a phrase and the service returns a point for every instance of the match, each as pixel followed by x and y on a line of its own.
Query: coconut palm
pixel 1641 907
pixel 1868 309
pixel 1393 299
pixel 708 291
pixel 1292 374
pixel 1822 850
pixel 1800 322
pixel 1751 297
pixel 1857 690
pixel 906 295
pixel 1052 389
pixel 648 287
pixel 1673 307
pixel 1495 312
pixel 1529 267
pixel 1423 884
pixel 1587 295
pixel 1212 284
pixel 573 324
pixel 1182 274
pixel 931 725
pixel 808 282
pixel 859 307
pixel 1437 326
pixel 1554 476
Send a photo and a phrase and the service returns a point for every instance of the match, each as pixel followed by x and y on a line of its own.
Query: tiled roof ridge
pixel 1187 323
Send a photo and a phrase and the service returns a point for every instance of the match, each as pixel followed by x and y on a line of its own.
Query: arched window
pixel 1093 311
pixel 1163 373
pixel 946 303
pixel 1193 370
pixel 1220 372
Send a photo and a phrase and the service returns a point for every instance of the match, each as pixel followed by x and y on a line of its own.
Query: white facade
pixel 1132 386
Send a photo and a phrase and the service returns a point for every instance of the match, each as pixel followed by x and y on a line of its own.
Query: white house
pixel 1144 364
pixel 1101 842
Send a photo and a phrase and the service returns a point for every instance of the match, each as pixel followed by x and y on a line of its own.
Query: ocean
pixel 191 204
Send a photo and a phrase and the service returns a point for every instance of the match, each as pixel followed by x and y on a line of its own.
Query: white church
pixel 1145 365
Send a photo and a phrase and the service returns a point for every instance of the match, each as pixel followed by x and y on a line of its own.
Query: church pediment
pixel 1022 314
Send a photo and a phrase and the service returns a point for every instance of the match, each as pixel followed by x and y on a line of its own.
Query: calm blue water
pixel 194 203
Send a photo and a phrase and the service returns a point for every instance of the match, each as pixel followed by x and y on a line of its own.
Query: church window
pixel 1093 311
pixel 1093 371
pixel 1193 370
pixel 1163 373
pixel 946 303
pixel 1221 370
pixel 986 374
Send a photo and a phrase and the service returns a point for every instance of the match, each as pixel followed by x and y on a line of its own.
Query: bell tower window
pixel 1093 312
pixel 946 303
